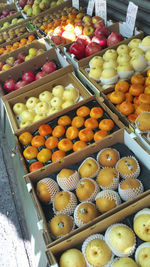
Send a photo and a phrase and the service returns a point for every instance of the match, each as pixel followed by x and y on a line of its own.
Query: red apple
pixel 10 85
pixel 18 61
pixel 58 40
pixel 101 40
pixel 77 50
pixel 40 75
pixel 12 12
pixel 21 56
pixel 22 3
pixel 20 84
pixel 92 48
pixel 83 40
pixel 5 12
pixel 28 76
pixel 30 2
pixel 49 67
pixel 2 16
pixel 114 38
pixel 97 19
pixel 99 25
pixel 102 31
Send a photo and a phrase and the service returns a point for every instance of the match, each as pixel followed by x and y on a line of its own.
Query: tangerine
pixel 51 142
pixel 78 145
pixel 96 112
pixel 126 108
pixel 35 166
pixel 16 44
pixel 117 97
pixel 136 89
pixel 58 155
pixel 77 122
pixel 58 131
pixel 106 125
pixel 65 144
pixel 91 123
pixel 136 100
pixel 44 155
pixel 38 141
pixel 72 132
pixel 144 98
pixel 64 120
pixel 100 135
pixel 83 111
pixel 31 37
pixel 132 117
pixel 138 79
pixel 23 41
pixel 86 135
pixel 25 138
pixel 122 86
pixel 45 129
pixel 30 152
pixel 128 97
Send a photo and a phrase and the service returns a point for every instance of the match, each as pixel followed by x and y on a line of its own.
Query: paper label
pixel 75 3
pixel 90 7
pixel 101 9
pixel 131 16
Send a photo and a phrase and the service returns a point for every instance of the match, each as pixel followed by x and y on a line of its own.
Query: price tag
pixel 101 9
pixel 90 7
pixel 131 16
pixel 75 3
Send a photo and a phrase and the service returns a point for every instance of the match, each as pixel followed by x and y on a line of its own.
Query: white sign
pixel 131 17
pixel 75 3
pixel 90 7
pixel 101 9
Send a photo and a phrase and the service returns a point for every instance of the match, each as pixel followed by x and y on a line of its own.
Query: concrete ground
pixel 15 248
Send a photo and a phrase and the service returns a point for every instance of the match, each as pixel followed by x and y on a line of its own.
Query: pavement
pixel 15 247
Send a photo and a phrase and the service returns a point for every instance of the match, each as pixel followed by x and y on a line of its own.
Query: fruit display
pixel 13 61
pixel 10 34
pixel 11 85
pixel 47 103
pixel 5 12
pixel 11 22
pixel 19 43
pixel 131 98
pixel 35 7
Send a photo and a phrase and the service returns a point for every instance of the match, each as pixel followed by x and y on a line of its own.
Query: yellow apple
pixel 72 258
pixel 142 224
pixel 110 54
pixel 123 49
pixel 95 73
pixel 134 43
pixel 142 255
pixel 96 62
pixel 123 59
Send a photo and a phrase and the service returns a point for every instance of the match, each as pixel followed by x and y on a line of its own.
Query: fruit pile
pixel 70 133
pixel 47 103
pixel 11 47
pixel 11 22
pixel 9 35
pixel 35 7
pixel 120 63
pixel 132 98
pixel 5 13
pixel 124 243
pixel 29 77
pixel 21 57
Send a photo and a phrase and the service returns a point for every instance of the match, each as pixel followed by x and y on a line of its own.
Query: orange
pixel 78 145
pixel 138 79
pixel 16 44
pixel 58 155
pixel 72 132
pixel 31 37
pixel 38 141
pixel 83 111
pixel 147 81
pixel 122 86
pixel 2 50
pixel 100 135
pixel 35 166
pixel 117 97
pixel 78 122
pixel 30 152
pixel 45 129
pixel 144 98
pixel 91 123
pixel 65 144
pixel 96 112
pixel 8 47
pixel 126 108
pixel 86 135
pixel 25 138
pixel 51 142
pixel 23 41
pixel 136 89
pixel 136 100
pixel 44 155
pixel 64 120
pixel 128 97
pixel 132 117
pixel 106 124
pixel 58 131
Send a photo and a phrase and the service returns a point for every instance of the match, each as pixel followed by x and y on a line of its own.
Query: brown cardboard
pixel 33 64
pixel 117 137
pixel 64 80
pixel 10 7
pixel 99 228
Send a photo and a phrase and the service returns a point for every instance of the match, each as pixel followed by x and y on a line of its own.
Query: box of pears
pixel 123 239
pixel 45 100
pixel 88 186
pixel 33 73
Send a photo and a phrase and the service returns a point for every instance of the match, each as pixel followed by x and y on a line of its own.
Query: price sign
pixel 90 7
pixel 75 3
pixel 101 9
pixel 131 16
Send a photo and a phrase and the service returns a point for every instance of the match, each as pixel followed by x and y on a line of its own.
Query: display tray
pixel 71 112
pixel 124 216
pixel 120 140
pixel 34 65
pixel 67 80
pixel 17 15
pixel 9 7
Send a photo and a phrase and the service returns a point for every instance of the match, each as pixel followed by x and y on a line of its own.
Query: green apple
pixel 31 102
pixel 28 57
pixel 10 61
pixel 36 11
pixel 53 4
pixel 29 12
pixel 32 52
pixel 45 96
pixel 18 108
pixel 26 7
pixel 42 107
pixel 6 67
pixel 14 21
pixel 6 24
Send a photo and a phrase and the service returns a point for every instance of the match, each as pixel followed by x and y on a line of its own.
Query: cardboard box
pixel 123 216
pixel 9 19
pixel 35 64
pixel 10 7
pixel 67 79
pixel 144 138
pixel 125 143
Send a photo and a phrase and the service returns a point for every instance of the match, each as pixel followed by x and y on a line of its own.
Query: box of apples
pixel 44 100
pixel 32 73
pixel 77 175
pixel 111 237
pixel 7 10
pixel 11 21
